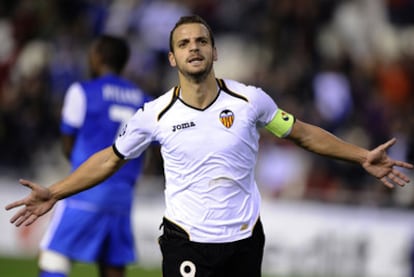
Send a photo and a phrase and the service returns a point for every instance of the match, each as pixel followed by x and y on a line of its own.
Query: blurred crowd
pixel 346 65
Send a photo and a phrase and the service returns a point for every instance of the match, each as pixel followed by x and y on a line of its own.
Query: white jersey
pixel 209 158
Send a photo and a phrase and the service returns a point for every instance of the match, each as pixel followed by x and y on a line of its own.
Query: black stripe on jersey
pixel 117 152
pixel 173 99
pixel 223 87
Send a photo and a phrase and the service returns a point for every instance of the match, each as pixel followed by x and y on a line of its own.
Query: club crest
pixel 122 130
pixel 227 118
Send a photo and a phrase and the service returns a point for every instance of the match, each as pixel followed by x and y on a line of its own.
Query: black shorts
pixel 184 258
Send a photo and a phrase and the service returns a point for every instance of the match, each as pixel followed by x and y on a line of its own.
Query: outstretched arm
pixel 97 168
pixel 376 162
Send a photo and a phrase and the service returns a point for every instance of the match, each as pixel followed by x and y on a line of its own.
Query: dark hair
pixel 191 19
pixel 113 50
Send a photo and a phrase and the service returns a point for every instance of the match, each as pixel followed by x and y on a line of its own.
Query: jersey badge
pixel 227 118
pixel 122 130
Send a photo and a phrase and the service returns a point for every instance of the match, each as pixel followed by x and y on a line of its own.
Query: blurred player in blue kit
pixel 208 129
pixel 94 226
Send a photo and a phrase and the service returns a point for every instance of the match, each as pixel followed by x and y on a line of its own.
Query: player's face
pixel 193 53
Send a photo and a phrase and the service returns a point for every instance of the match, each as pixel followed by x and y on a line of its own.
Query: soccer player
pixel 94 226
pixel 208 129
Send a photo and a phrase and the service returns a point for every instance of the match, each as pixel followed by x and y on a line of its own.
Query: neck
pixel 199 94
pixel 105 70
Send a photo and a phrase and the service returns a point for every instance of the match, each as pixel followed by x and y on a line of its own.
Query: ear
pixel 215 55
pixel 171 58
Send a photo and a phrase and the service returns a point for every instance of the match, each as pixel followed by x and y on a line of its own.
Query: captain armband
pixel 281 124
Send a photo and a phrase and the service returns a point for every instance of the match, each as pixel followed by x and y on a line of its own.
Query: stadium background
pixel 345 65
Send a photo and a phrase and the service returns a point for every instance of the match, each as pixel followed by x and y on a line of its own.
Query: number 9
pixel 187 269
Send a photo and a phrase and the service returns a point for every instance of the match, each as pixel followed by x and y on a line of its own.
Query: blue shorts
pixel 90 236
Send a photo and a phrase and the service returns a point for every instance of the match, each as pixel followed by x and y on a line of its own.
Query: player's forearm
pixel 96 169
pixel 317 140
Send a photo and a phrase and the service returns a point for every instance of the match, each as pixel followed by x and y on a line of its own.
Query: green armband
pixel 281 124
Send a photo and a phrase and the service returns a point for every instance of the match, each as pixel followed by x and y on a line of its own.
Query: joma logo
pixel 183 126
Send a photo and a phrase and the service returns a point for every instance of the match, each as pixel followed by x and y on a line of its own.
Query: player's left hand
pixel 380 165
pixel 36 204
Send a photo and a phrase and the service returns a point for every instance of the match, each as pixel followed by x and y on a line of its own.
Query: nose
pixel 194 46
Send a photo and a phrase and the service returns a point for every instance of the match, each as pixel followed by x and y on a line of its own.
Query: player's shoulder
pixel 239 88
pixel 126 83
pixel 162 102
pixel 76 88
pixel 87 85
pixel 151 112
pixel 109 80
pixel 235 85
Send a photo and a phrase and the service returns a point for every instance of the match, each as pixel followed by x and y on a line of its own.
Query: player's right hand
pixel 36 204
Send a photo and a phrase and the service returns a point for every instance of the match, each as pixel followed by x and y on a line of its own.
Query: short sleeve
pixel 136 135
pixel 264 106
pixel 74 106
pixel 270 116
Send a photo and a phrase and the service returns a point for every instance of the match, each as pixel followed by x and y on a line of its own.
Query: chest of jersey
pixel 226 128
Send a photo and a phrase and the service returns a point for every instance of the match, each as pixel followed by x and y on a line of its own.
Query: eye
pixel 203 41
pixel 182 44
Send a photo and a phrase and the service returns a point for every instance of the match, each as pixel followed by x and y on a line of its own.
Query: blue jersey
pixel 94 111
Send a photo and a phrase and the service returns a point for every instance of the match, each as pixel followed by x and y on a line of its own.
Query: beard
pixel 199 76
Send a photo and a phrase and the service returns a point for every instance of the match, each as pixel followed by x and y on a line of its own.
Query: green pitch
pixel 27 267
pixel 13 267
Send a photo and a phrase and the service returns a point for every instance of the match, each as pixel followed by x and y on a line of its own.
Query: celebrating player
pixel 208 129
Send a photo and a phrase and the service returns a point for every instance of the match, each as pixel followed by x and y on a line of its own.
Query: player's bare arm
pixel 376 162
pixel 97 168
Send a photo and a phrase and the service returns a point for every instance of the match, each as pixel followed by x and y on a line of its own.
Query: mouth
pixel 195 60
